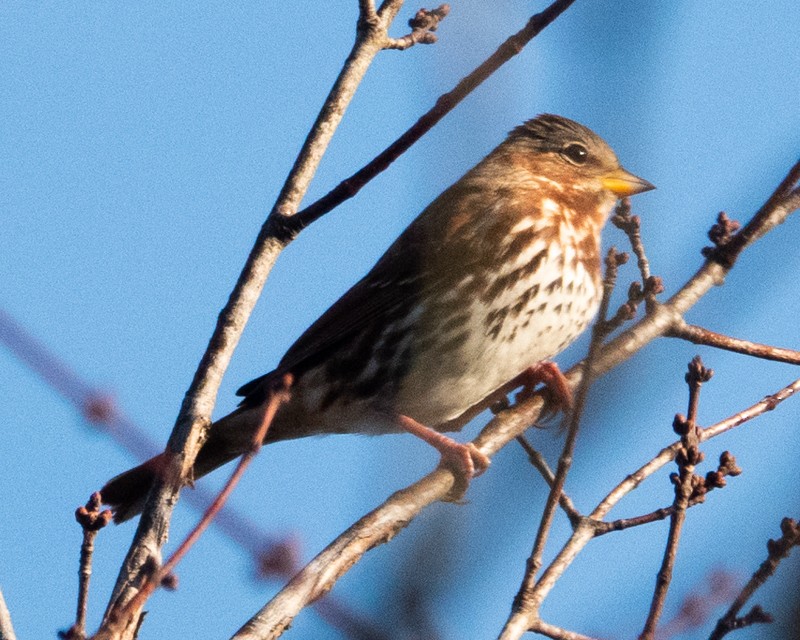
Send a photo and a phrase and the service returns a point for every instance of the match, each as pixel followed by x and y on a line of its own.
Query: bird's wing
pixel 391 284
pixel 427 256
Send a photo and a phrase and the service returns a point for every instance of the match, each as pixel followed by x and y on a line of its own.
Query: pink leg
pixel 463 459
pixel 550 375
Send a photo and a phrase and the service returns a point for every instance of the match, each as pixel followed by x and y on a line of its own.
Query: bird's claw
pixel 466 461
pixel 556 385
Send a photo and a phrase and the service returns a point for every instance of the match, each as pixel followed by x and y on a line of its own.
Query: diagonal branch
pixel 159 575
pixel 444 105
pixel 701 335
pixel 539 463
pixel 777 551
pixel 194 418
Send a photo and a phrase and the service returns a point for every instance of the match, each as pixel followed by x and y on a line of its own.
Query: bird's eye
pixel 575 153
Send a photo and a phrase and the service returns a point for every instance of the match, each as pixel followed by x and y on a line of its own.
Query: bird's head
pixel 567 153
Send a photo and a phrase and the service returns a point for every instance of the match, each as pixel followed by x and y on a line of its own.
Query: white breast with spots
pixel 534 319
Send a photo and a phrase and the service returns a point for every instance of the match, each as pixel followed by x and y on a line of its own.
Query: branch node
pixel 423 24
pixel 90 517
pixel 721 233
pixel 727 464
pixel 698 373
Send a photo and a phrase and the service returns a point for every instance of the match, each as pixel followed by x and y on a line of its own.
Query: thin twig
pixel 632 227
pixel 602 528
pixel 787 194
pixel 158 576
pixel 557 633
pixel 423 25
pixel 700 335
pixel 444 105
pixel 777 551
pixel 6 628
pixel 91 519
pixel 540 464
pixel 700 488
pixel 383 523
pixel 688 456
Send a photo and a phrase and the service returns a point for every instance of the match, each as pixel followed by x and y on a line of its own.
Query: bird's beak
pixel 623 183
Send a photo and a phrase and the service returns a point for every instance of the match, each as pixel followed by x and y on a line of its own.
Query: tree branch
pixel 444 105
pixel 777 551
pixel 159 575
pixel 700 335
pixel 688 456
pixel 540 464
pixel 194 418
pixel 557 633
pixel 523 601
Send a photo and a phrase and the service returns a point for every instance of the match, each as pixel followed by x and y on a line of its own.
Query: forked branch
pixel 777 550
pixel 194 418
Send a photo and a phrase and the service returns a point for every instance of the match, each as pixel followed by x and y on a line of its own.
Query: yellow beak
pixel 624 183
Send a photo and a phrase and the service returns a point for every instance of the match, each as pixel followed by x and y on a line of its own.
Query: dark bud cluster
pixel 698 373
pixel 781 547
pixel 721 233
pixel 90 517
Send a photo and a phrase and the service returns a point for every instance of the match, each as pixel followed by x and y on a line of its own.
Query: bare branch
pixel 540 464
pixel 557 633
pixel 777 551
pixel 701 487
pixel 164 575
pixel 194 420
pixel 632 226
pixel 423 24
pixel 444 105
pixel 786 195
pixel 524 604
pixel 687 457
pixel 700 335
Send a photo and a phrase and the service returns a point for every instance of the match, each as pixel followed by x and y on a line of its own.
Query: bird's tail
pixel 228 438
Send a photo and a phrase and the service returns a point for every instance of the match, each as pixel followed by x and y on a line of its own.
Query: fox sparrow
pixel 498 274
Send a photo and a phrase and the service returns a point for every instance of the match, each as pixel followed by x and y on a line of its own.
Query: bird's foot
pixel 550 375
pixel 464 460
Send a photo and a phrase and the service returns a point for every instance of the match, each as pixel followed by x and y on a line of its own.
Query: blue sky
pixel 142 146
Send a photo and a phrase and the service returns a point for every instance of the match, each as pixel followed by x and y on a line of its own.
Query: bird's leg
pixel 463 459
pixel 547 373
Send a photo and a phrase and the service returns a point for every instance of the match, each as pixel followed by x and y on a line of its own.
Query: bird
pixel 495 277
